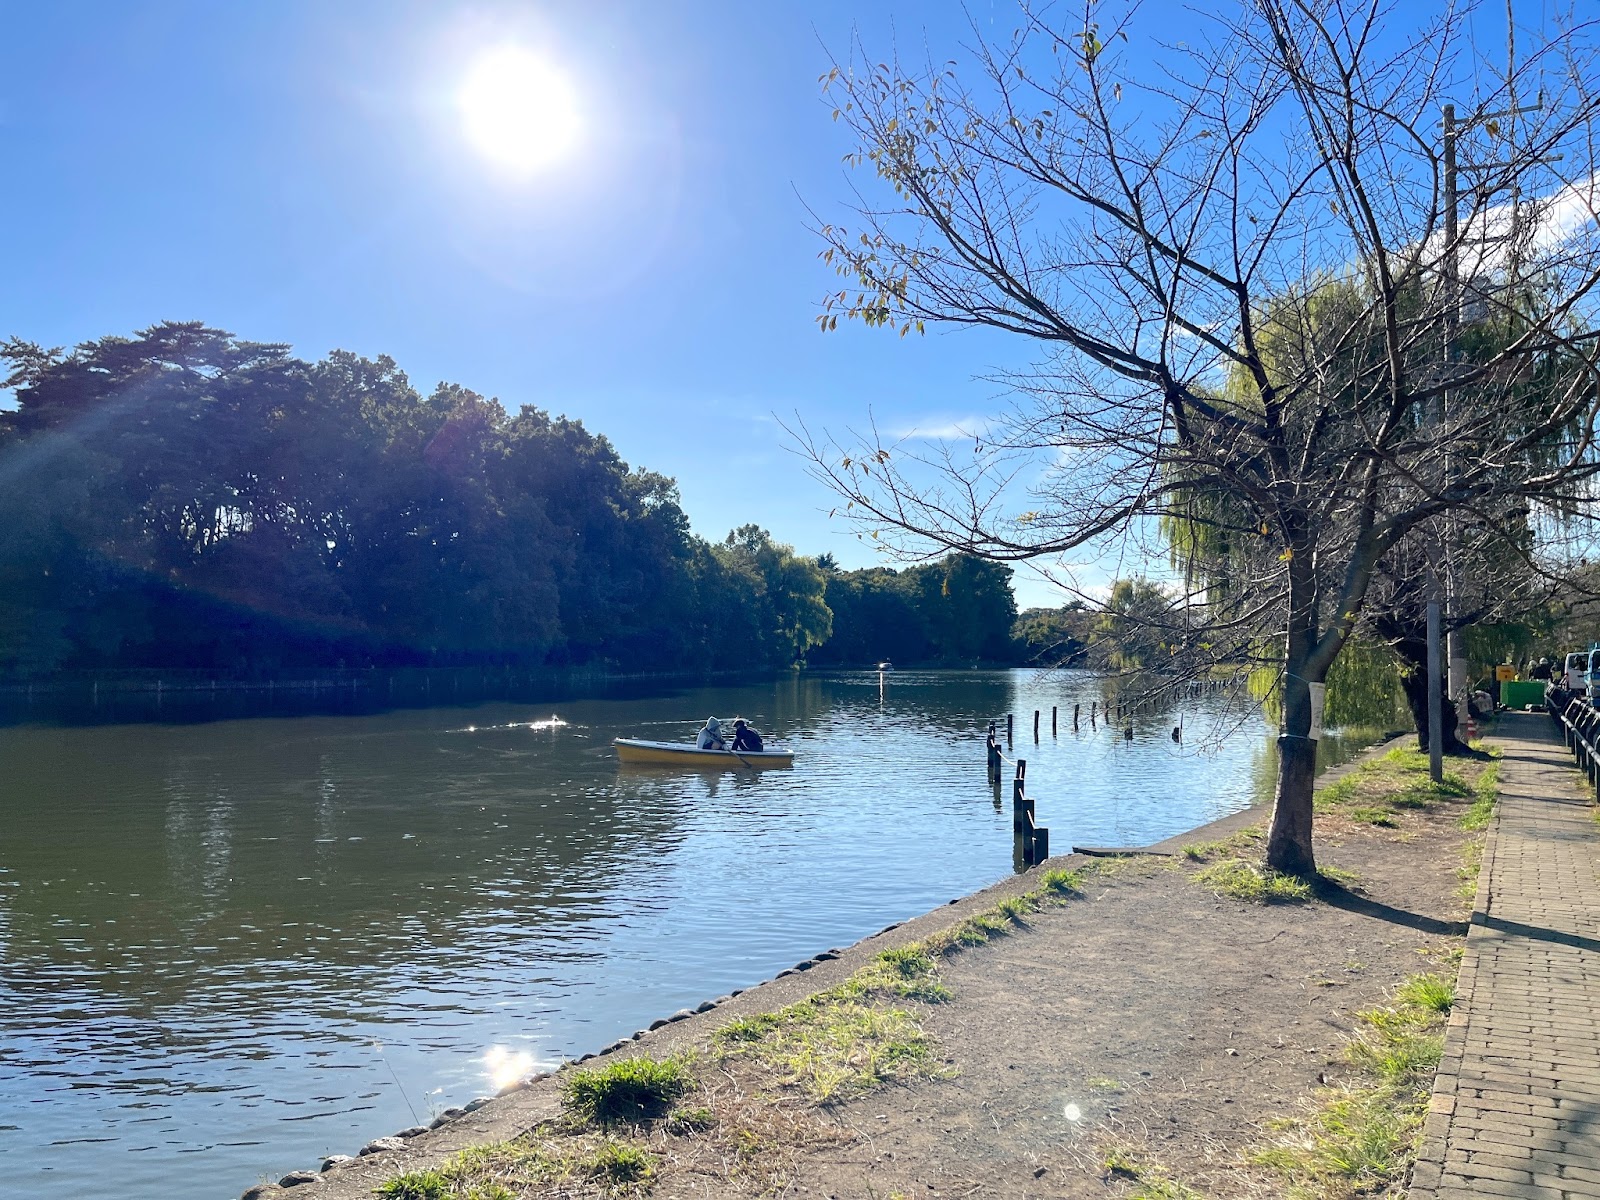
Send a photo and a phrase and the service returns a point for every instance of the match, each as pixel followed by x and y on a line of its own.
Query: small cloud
pixel 938 429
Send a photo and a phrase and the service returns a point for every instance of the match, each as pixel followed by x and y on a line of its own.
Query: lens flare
pixel 505 1066
pixel 1072 1112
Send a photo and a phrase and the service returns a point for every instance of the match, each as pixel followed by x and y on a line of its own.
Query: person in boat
pixel 711 736
pixel 745 738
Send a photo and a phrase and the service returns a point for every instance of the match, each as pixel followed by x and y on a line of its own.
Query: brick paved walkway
pixel 1516 1107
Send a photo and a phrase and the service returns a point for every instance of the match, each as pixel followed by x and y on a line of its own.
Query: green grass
pixel 614 1167
pixel 1061 882
pixel 630 1089
pixel 1340 876
pixel 1340 791
pixel 846 1040
pixel 1379 790
pixel 1430 992
pixel 1238 843
pixel 1240 880
pixel 418 1185
pixel 618 1163
pixel 1360 1138
pixel 1485 789
pixel 831 1045
pixel 1151 1181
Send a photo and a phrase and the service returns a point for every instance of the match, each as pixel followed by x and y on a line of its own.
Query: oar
pixel 740 757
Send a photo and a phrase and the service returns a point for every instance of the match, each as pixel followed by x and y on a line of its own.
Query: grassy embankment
pixel 743 1108
pixel 622 1122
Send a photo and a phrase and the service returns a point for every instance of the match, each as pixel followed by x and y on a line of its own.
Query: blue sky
pixel 296 171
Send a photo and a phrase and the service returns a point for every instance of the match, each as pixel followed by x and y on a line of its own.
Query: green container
pixel 1519 693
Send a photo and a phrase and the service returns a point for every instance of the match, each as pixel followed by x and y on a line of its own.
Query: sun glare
pixel 518 110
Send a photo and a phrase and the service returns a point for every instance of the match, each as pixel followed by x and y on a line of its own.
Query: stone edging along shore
pixel 526 1103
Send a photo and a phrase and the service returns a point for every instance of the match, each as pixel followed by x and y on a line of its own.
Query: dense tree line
pixel 185 499
pixel 182 498
pixel 959 609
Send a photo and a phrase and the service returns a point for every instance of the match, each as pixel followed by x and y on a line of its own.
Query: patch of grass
pixel 1361 1138
pixel 1103 1083
pixel 910 972
pixel 1061 882
pixel 1486 790
pixel 1241 880
pixel 1151 1181
pixel 1467 872
pixel 831 1045
pixel 1427 991
pixel 1163 1188
pixel 1117 1161
pixel 1014 908
pixel 1381 788
pixel 615 1167
pixel 1233 844
pixel 630 1089
pixel 1340 791
pixel 1340 876
pixel 618 1163
pixel 418 1185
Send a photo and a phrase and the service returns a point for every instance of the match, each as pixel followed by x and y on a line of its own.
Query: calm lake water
pixel 229 949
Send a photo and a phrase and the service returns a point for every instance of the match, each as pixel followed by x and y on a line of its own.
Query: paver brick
pixel 1516 1109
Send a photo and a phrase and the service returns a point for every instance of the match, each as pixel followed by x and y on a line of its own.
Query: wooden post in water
pixel 1036 724
pixel 1032 843
pixel 1020 804
pixel 1075 709
pixel 992 754
pixel 1052 720
pixel 1008 728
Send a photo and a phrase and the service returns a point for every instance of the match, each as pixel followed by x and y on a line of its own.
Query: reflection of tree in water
pixel 253 853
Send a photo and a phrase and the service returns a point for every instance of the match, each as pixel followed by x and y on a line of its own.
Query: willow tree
pixel 1158 222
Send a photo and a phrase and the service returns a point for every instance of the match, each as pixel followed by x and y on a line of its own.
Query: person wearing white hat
pixel 711 736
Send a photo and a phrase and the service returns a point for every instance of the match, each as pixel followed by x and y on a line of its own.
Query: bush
pixel 632 1089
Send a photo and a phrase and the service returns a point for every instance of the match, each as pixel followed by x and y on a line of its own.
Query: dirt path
pixel 1146 1018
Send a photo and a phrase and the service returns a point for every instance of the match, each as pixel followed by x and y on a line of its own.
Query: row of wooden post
pixel 1077 715
pixel 1032 840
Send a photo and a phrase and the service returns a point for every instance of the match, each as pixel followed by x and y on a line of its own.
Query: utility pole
pixel 1444 594
pixel 1455 648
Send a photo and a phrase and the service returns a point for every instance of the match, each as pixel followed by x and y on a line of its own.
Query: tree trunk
pixel 1289 838
pixel 1413 654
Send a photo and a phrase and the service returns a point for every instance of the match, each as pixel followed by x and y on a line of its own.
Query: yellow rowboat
pixel 632 750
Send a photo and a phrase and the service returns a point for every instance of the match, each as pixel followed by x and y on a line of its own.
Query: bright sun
pixel 518 110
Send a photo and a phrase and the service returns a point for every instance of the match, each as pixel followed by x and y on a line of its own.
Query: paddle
pixel 740 757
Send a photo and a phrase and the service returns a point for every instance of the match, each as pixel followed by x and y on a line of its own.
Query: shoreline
pixel 525 1104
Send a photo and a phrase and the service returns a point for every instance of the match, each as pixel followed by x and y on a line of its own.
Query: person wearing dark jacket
pixel 745 738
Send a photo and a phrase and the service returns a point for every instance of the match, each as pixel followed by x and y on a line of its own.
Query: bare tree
pixel 1246 291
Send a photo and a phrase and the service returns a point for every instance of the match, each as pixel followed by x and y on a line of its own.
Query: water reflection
pixel 259 941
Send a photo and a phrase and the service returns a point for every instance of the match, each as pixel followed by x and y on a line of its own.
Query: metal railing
pixel 1580 725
